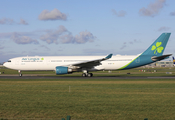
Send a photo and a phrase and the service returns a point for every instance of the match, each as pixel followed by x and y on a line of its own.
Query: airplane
pixel 86 64
pixel 173 61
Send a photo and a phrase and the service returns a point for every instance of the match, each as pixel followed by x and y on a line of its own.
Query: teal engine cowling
pixel 63 70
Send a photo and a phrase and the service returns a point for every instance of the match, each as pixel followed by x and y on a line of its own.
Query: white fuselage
pixel 33 63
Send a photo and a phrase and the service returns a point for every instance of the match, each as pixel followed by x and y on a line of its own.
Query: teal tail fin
pixel 158 47
pixel 152 54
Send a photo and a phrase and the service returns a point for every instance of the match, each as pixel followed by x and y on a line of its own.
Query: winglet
pixel 109 56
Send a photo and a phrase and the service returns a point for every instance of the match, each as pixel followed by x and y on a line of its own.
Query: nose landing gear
pixel 20 74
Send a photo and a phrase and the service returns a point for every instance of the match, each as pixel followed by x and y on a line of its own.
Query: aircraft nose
pixel 4 64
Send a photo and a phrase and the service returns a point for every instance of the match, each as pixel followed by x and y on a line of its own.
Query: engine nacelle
pixel 63 70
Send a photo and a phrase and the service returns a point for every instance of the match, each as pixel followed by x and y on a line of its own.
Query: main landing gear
pixel 86 74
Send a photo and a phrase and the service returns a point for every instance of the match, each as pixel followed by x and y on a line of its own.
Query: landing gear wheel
pixel 89 74
pixel 20 75
pixel 84 75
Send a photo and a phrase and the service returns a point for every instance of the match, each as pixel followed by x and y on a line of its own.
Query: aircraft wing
pixel 91 63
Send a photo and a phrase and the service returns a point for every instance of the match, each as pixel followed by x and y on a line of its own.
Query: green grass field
pixel 88 99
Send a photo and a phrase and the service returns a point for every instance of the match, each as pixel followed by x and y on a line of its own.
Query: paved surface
pixel 77 77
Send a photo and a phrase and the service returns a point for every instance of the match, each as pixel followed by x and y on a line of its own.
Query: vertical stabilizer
pixel 173 61
pixel 152 54
pixel 158 47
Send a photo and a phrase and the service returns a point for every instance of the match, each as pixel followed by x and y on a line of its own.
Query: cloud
pixel 164 28
pixel 6 21
pixel 119 14
pixel 55 14
pixel 23 22
pixel 1 47
pixel 136 41
pixel 66 39
pixel 97 51
pixel 5 35
pixel 81 38
pixel 125 44
pixel 45 47
pixel 17 38
pixel 59 36
pixel 9 21
pixel 59 50
pixel 84 37
pixel 20 37
pixel 153 8
pixel 172 13
pixel 52 36
pixel 62 35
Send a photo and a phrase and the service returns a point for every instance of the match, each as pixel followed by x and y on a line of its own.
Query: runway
pixel 80 77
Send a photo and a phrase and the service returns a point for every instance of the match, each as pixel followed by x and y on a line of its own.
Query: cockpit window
pixel 9 60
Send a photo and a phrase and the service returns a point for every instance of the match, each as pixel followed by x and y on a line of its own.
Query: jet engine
pixel 63 70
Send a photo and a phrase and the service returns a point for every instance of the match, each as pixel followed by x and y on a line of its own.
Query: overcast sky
pixel 83 27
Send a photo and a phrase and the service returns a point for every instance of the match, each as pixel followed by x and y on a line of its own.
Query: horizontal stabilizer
pixel 155 58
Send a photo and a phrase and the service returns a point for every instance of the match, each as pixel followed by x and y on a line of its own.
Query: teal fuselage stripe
pixel 139 61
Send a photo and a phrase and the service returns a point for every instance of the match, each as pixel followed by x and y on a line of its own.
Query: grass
pixel 100 99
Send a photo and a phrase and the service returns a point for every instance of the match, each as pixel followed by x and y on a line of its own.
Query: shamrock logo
pixel 157 48
pixel 42 58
